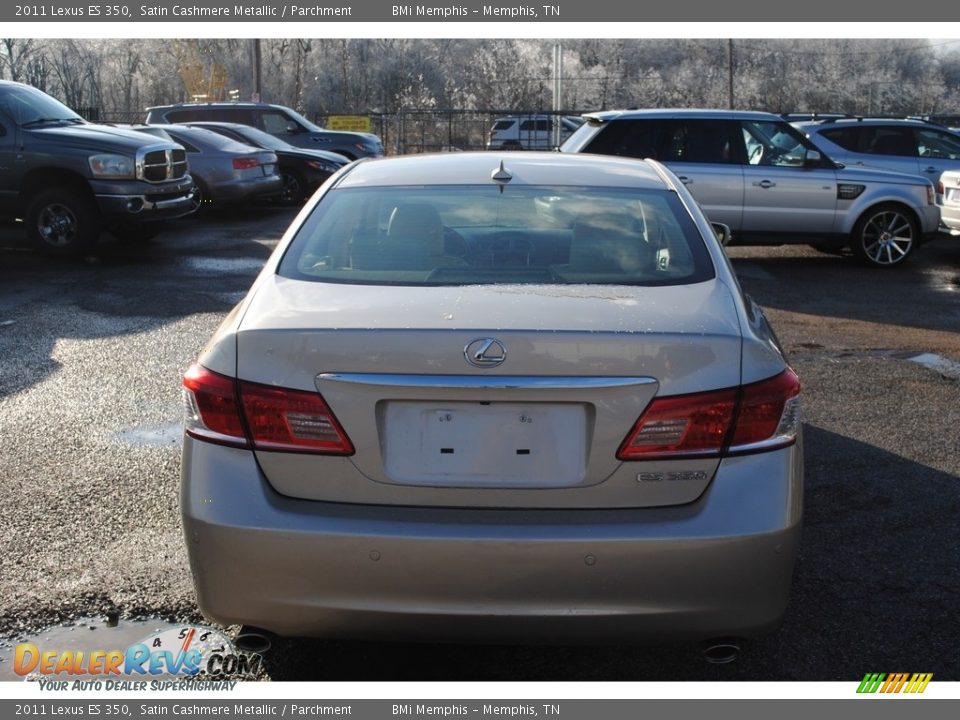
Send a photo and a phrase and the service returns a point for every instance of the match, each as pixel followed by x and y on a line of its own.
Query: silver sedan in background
pixel 495 396
pixel 225 171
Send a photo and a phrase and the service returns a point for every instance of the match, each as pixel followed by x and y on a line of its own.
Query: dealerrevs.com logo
pixel 911 683
pixel 186 652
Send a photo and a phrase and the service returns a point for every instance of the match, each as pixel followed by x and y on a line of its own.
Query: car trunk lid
pixel 562 377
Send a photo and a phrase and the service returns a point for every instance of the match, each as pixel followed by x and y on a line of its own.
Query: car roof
pixel 206 139
pixel 216 104
pixel 524 168
pixel 663 113
pixel 826 122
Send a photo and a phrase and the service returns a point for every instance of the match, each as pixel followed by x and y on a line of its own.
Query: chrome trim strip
pixel 491 382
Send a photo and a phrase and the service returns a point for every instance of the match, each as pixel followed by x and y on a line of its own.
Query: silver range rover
pixel 771 185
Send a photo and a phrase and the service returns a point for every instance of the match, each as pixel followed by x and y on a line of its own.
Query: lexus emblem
pixel 485 352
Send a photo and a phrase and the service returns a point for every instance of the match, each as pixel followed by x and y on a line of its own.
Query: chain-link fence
pixel 449 130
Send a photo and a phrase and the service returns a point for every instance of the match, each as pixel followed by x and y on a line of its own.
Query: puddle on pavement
pixel 167 435
pixel 241 265
pixel 87 634
pixel 944 366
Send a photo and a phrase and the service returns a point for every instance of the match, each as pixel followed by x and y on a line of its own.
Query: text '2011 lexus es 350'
pixel 495 396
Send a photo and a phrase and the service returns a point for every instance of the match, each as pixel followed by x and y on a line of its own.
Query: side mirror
pixel 812 159
pixel 292 127
pixel 723 233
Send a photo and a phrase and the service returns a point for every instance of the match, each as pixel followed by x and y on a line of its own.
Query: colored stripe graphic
pixel 871 682
pixel 894 682
pixel 919 682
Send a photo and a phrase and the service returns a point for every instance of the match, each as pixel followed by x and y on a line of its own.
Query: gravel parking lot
pixel 90 353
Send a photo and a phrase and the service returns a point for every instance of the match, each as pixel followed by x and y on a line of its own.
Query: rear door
pixel 885 147
pixel 699 151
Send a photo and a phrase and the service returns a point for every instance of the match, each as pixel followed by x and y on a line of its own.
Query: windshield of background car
pixel 25 105
pixel 262 139
pixel 206 140
pixel 469 235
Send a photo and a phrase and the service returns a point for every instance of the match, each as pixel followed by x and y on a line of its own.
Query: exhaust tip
pixel 722 651
pixel 253 640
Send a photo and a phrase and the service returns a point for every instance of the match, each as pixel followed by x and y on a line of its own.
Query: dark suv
pixel 69 179
pixel 277 120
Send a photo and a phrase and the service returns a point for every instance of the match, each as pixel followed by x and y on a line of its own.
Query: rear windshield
pixel 469 235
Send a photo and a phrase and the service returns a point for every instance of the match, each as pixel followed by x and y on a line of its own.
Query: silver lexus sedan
pixel 495 396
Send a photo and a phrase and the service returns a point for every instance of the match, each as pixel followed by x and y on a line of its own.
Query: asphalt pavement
pixel 90 356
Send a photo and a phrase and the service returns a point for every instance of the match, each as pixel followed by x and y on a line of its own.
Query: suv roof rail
pixel 820 116
pixel 930 120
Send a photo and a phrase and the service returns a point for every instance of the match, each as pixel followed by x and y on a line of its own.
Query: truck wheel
pixel 884 236
pixel 63 222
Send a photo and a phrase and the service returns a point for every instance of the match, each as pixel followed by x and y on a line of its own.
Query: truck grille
pixel 161 163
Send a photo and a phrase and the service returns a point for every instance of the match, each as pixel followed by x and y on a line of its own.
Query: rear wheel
pixel 885 236
pixel 62 221
pixel 294 191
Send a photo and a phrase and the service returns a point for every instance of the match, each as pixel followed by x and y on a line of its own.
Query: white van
pixel 529 132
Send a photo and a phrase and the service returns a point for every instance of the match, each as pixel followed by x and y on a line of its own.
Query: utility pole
pixel 257 76
pixel 557 90
pixel 730 73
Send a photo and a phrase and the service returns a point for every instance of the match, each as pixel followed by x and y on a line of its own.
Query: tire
pixel 884 236
pixel 201 198
pixel 293 192
pixel 62 221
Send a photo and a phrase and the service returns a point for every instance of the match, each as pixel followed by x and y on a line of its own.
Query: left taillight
pixel 245 163
pixel 211 410
pixel 222 410
pixel 292 420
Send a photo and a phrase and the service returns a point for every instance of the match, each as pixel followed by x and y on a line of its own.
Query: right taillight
pixel 223 410
pixel 768 415
pixel 760 416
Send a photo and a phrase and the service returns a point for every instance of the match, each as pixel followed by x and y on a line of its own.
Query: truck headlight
pixel 112 166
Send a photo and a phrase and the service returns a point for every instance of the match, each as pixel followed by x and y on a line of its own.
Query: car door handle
pixel 765 184
pixel 930 169
pixel 685 180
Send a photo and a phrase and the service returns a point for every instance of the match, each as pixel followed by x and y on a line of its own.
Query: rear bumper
pixel 930 220
pixel 950 218
pixel 720 566
pixel 239 190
